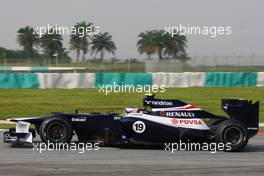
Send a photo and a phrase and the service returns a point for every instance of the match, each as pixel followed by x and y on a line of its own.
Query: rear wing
pixel 245 111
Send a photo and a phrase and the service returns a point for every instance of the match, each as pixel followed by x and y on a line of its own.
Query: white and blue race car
pixel 160 121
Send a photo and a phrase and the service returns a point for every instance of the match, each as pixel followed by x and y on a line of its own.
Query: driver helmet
pixel 131 109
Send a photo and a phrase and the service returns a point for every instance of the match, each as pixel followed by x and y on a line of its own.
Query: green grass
pixel 6 126
pixel 34 102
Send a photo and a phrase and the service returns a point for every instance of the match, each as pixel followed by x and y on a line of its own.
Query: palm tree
pixel 80 40
pixel 51 42
pixel 151 42
pixel 146 44
pixel 62 55
pixel 175 46
pixel 157 41
pixel 75 45
pixel 28 40
pixel 102 43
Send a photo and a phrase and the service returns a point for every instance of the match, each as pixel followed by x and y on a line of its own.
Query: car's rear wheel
pixel 232 133
pixel 56 130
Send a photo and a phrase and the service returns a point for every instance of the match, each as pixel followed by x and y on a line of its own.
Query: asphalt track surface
pixel 115 161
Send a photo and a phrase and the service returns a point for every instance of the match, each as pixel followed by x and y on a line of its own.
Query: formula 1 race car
pixel 160 121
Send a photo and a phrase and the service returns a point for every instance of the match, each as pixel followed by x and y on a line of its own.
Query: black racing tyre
pixel 233 133
pixel 56 130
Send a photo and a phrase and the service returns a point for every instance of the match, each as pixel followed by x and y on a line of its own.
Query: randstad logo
pixel 167 103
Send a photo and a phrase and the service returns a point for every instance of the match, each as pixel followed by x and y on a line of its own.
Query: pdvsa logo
pixel 186 122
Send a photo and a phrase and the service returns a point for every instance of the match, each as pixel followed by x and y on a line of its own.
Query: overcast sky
pixel 126 19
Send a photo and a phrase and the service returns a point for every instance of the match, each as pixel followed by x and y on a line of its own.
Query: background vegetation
pixel 49 46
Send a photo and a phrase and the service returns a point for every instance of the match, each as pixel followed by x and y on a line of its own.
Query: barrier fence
pixel 38 69
pixel 93 80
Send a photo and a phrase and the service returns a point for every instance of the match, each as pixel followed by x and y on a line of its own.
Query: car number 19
pixel 139 127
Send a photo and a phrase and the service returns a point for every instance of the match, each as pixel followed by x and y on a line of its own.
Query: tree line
pixel 50 45
pixel 163 44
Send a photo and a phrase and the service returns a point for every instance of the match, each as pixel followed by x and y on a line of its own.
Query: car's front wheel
pixel 55 130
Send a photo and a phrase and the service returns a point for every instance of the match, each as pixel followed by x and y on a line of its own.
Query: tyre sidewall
pixel 51 120
pixel 224 126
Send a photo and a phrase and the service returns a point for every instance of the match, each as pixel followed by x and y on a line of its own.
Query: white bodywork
pixel 192 123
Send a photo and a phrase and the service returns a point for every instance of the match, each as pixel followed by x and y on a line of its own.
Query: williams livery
pixel 160 121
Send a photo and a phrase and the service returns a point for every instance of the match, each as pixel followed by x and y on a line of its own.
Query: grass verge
pixel 36 102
